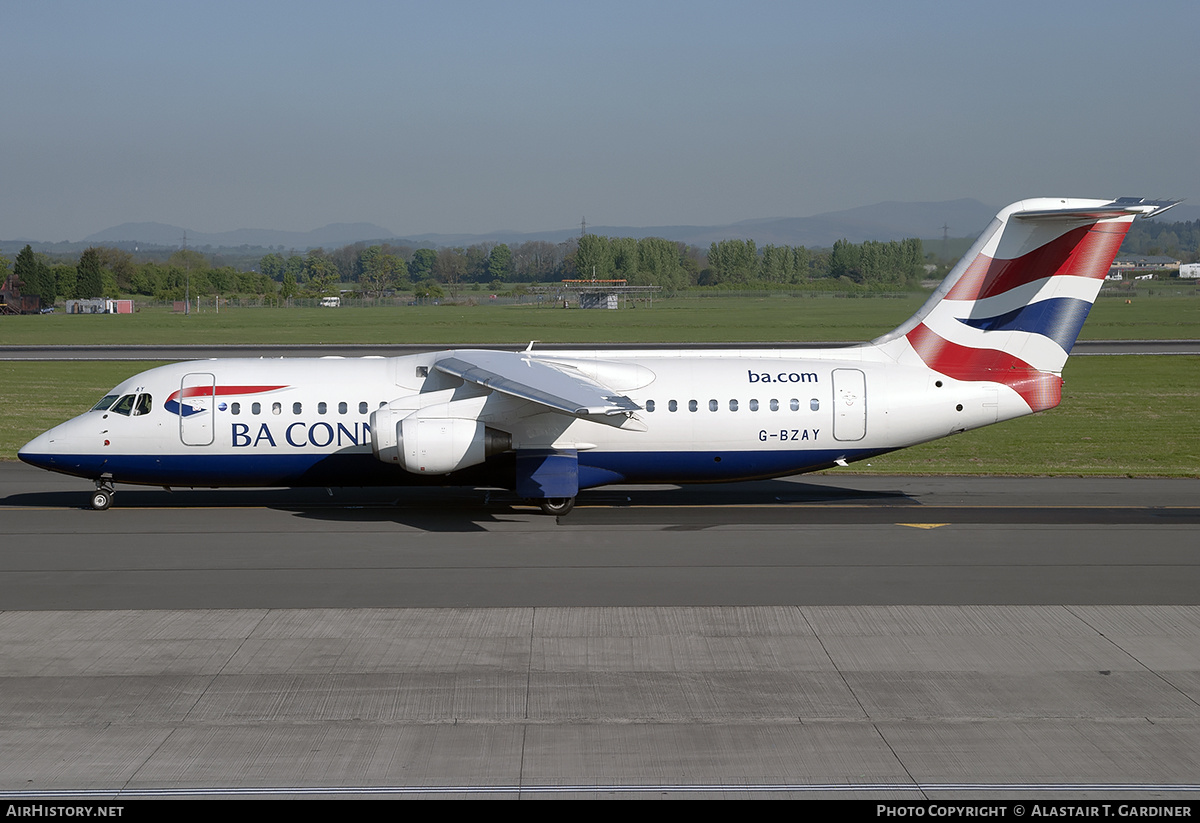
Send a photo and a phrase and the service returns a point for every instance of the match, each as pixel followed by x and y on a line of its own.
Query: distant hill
pixel 161 234
pixel 883 221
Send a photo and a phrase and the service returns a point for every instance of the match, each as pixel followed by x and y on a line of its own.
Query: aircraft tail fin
pixel 1010 310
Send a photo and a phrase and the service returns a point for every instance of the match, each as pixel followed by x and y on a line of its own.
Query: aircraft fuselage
pixel 710 416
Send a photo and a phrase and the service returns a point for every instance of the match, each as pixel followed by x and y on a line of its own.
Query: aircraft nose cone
pixel 70 448
pixel 37 452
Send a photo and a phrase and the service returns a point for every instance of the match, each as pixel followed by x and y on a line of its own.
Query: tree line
pixel 108 272
pixel 640 262
pixel 376 269
pixel 1180 240
pixel 385 267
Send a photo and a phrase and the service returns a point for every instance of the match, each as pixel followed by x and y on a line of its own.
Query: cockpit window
pixel 143 405
pixel 124 405
pixel 105 402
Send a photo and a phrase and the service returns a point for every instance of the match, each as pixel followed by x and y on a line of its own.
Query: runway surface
pixel 832 636
pixel 833 540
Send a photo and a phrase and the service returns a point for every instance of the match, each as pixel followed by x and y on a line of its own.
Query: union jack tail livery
pixel 1010 311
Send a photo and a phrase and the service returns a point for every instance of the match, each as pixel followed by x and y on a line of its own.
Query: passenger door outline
pixel 197 392
pixel 849 404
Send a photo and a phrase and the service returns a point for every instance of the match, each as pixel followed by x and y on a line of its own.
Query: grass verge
pixel 678 320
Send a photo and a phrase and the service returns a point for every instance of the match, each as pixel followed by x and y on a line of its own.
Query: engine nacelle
pixel 428 443
pixel 439 446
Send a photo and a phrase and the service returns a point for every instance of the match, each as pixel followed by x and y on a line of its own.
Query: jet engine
pixel 427 441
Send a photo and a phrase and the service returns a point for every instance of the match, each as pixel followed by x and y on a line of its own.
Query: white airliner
pixel 988 345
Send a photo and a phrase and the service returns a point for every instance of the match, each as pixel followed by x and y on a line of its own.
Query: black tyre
pixel 557 506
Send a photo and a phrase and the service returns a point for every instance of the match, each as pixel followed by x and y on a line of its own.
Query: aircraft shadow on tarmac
pixel 683 508
pixel 464 509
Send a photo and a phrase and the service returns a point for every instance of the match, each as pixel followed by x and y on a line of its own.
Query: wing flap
pixel 519 375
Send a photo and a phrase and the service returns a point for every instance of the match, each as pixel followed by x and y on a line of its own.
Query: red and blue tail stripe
pixel 1086 251
pixel 1011 310
pixel 1041 390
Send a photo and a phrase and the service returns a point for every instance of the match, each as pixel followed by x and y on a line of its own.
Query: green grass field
pixel 685 319
pixel 734 319
pixel 1121 415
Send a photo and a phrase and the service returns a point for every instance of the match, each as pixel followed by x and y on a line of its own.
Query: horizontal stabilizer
pixel 1136 206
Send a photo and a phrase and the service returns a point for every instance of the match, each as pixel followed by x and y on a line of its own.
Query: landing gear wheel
pixel 101 499
pixel 557 506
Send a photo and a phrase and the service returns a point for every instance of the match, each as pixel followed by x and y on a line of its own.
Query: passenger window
pixel 362 407
pixel 774 404
pixel 276 408
pixel 649 405
pixel 672 406
pixel 795 404
pixel 733 405
pixel 713 405
pixel 814 404
pixel 753 405
pixel 144 403
pixel 124 405
pixel 322 407
pixel 342 407
pixel 693 405
pixel 105 403
pixel 235 408
pixel 256 408
pixel 296 408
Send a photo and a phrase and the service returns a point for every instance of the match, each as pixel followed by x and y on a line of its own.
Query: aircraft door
pixel 849 404
pixel 196 395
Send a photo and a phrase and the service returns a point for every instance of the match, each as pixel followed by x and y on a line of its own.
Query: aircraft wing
pixel 518 374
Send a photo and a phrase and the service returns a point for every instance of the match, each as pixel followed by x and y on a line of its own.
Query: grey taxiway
pixel 845 636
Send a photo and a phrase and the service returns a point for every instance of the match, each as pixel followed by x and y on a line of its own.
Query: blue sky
pixel 478 116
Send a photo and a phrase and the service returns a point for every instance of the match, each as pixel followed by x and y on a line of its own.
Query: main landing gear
pixel 556 506
pixel 103 495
